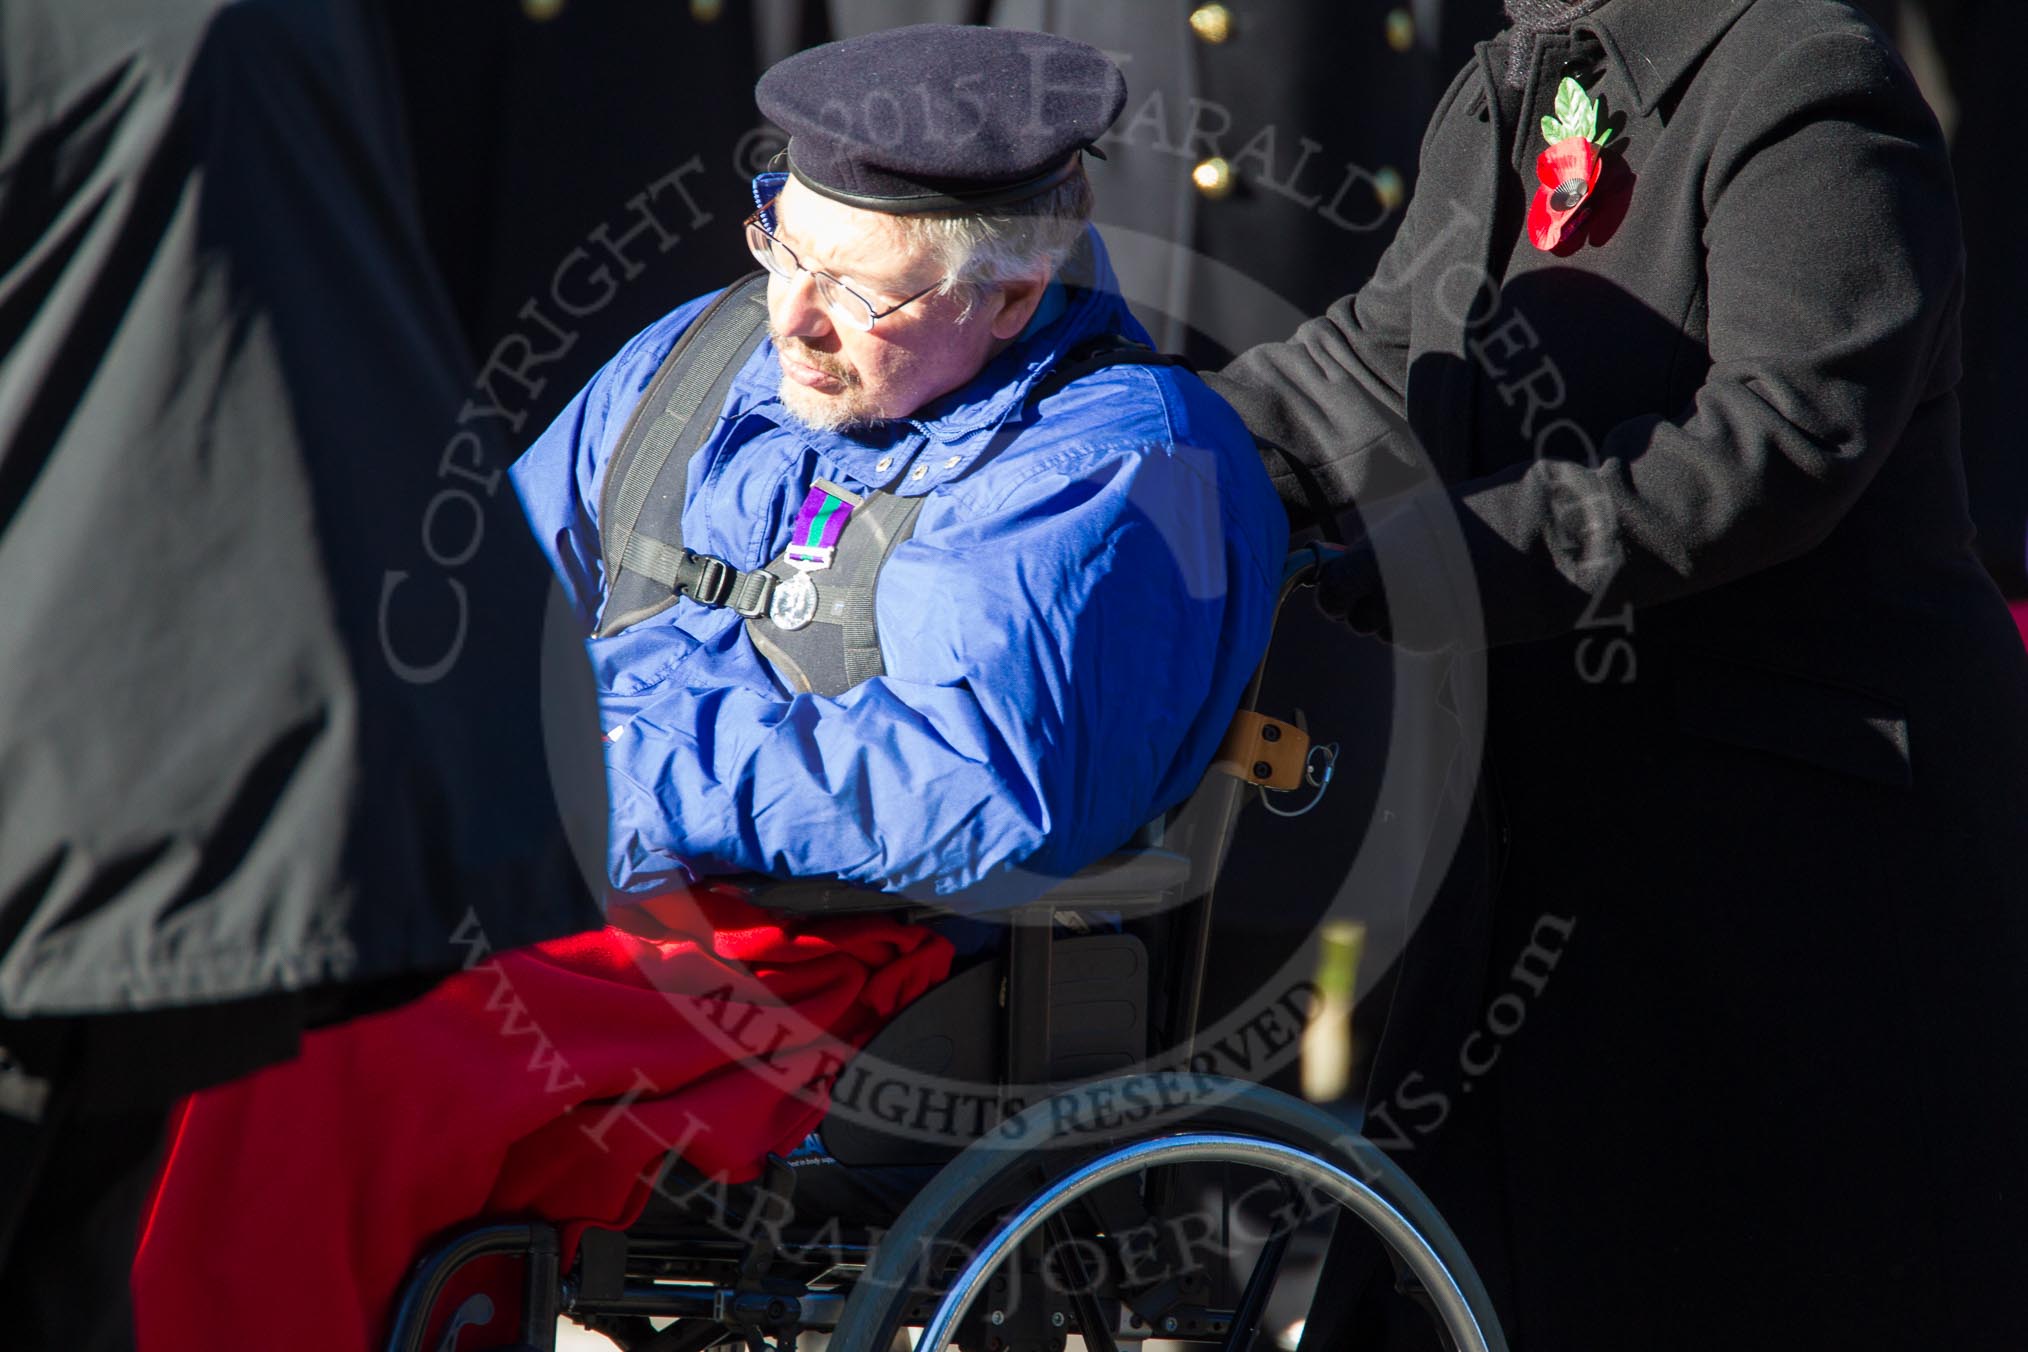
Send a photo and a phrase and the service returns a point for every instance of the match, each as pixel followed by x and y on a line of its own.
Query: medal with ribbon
pixel 813 543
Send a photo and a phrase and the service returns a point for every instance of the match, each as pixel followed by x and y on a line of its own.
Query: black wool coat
pixel 1729 1052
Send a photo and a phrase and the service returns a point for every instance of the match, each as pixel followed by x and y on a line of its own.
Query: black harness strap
pixel 707 580
pixel 1097 353
pixel 649 474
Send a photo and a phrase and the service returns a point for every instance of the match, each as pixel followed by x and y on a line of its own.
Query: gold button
pixel 884 463
pixel 1400 29
pixel 542 11
pixel 1213 177
pixel 706 11
pixel 1213 23
pixel 919 471
pixel 1389 188
pixel 952 463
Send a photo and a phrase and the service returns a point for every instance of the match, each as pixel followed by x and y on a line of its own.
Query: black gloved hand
pixel 1349 590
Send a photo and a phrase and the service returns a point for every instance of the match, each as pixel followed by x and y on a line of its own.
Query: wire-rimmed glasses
pixel 844 304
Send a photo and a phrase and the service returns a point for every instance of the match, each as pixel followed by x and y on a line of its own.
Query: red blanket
pixel 548 1081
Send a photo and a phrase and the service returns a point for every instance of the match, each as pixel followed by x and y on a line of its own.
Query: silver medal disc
pixel 794 603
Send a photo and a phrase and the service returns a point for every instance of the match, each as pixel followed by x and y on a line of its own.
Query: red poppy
pixel 1568 171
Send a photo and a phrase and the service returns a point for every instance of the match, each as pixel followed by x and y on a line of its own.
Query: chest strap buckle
pixel 704 579
pixel 713 582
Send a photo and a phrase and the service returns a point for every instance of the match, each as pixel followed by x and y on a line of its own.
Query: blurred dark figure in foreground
pixel 271 690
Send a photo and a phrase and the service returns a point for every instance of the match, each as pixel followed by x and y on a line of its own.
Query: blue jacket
pixel 1065 636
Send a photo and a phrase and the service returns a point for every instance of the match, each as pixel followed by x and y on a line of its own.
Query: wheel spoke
pixel 1261 1281
pixel 1091 1319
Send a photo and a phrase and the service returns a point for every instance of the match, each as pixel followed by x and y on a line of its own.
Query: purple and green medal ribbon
pixel 821 521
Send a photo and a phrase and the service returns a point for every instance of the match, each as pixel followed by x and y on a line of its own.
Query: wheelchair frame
pixel 1007 1203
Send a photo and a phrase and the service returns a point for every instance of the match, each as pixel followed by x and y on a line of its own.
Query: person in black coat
pixel 1653 396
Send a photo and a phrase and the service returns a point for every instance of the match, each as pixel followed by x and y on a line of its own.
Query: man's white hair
pixel 980 250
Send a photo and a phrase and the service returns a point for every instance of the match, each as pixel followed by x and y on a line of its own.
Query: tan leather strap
pixel 1264 751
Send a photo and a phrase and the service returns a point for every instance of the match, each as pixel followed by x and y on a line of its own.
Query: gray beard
pixel 822 413
pixel 819 412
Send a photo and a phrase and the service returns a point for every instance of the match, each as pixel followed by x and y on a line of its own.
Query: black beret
pixel 939 117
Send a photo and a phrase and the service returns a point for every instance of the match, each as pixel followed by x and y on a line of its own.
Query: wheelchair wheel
pixel 1074 1217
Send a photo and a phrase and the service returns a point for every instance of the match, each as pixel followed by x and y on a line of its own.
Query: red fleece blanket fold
pixel 544 1082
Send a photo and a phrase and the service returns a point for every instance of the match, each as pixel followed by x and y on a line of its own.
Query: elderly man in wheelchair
pixel 916 585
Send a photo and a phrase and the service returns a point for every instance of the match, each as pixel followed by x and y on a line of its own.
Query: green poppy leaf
pixel 1552 130
pixel 1570 101
pixel 1588 127
pixel 1603 139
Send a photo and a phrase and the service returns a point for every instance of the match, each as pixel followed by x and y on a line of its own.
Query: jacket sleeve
pixel 1336 390
pixel 1833 271
pixel 1010 740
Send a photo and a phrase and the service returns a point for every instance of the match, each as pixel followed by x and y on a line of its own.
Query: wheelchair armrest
pixel 1132 880
pixel 816 896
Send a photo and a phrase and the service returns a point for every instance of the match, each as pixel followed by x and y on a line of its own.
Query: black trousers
pixel 72 1187
pixel 84 1105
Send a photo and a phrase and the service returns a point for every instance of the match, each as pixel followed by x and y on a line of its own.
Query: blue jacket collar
pixel 1083 302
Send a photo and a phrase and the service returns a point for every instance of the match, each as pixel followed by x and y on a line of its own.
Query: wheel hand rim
pixel 1347 1190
